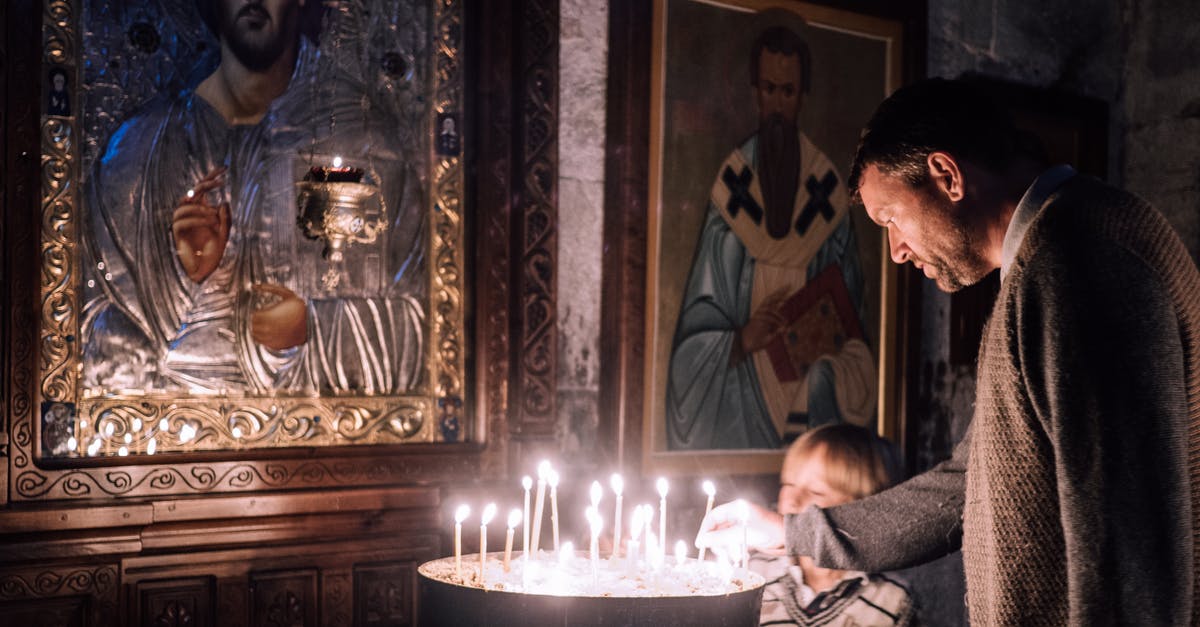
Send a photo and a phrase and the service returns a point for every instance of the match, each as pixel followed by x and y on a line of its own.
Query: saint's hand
pixel 282 324
pixel 722 528
pixel 201 230
pixel 765 323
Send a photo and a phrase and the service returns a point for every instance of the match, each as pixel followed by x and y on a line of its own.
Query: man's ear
pixel 946 175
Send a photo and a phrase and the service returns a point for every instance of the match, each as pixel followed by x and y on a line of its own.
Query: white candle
pixel 711 491
pixel 635 532
pixel 743 512
pixel 488 513
pixel 514 517
pixel 460 515
pixel 680 552
pixel 618 485
pixel 526 483
pixel 553 479
pixel 594 522
pixel 662 513
pixel 542 470
pixel 337 161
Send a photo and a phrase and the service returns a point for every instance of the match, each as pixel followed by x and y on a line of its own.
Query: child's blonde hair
pixel 858 463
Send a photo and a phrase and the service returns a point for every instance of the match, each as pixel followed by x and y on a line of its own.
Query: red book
pixel 821 318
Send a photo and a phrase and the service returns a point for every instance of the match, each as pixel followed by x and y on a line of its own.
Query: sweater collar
pixel 1031 203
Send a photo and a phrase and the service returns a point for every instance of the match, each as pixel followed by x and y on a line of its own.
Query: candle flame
pixel 636 522
pixel 681 552
pixel 617 483
pixel 597 492
pixel 565 552
pixel 552 478
pixel 514 518
pixel 461 513
pixel 191 193
pixel 709 488
pixel 488 513
pixel 543 470
pixel 151 446
pixel 526 482
pixel 337 162
pixel 662 487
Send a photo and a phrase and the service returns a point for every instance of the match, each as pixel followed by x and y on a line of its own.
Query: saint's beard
pixel 778 171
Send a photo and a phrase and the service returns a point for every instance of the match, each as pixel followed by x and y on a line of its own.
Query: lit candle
pixel 596 493
pixel 662 513
pixel 635 532
pixel 618 485
pixel 593 517
pixel 488 513
pixel 526 483
pixel 653 551
pixel 680 552
pixel 542 470
pixel 514 517
pixel 743 512
pixel 460 515
pixel 711 491
pixel 337 161
pixel 553 480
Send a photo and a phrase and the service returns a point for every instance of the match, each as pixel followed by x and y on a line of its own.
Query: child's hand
pixel 722 527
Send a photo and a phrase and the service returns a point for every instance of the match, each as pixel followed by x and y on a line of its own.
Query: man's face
pixel 60 82
pixel 925 227
pixel 260 31
pixel 778 86
pixel 802 483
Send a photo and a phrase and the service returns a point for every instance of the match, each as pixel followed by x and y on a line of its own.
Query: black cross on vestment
pixel 739 194
pixel 818 201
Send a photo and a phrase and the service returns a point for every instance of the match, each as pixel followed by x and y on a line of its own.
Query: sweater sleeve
pixel 912 523
pixel 1100 351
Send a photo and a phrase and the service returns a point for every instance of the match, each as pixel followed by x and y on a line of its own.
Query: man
pixel 200 279
pixel 1078 486
pixel 777 220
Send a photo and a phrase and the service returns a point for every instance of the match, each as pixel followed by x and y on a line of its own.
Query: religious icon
pixel 767 282
pixel 58 100
pixel 447 140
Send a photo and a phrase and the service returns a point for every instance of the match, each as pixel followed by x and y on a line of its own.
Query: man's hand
pixel 201 231
pixel 722 527
pixel 282 324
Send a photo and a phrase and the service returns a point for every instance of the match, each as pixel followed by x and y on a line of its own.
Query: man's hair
pixel 785 41
pixel 310 18
pixel 857 462
pixel 939 115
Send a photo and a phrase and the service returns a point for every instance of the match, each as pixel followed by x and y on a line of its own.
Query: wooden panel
pixel 233 601
pixel 337 598
pixel 383 594
pixel 60 612
pixel 176 603
pixel 284 598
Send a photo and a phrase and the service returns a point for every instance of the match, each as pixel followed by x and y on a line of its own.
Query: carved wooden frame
pixel 509 320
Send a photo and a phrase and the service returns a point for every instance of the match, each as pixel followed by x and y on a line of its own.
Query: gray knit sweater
pixel 1079 468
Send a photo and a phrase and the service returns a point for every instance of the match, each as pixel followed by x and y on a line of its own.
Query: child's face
pixel 802 483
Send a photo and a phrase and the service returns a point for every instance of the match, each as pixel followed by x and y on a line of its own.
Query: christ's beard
pixel 778 172
pixel 254 48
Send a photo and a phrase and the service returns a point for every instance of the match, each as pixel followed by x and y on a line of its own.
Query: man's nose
pixel 897 248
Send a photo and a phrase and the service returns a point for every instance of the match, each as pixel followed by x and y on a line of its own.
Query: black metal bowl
pixel 444 603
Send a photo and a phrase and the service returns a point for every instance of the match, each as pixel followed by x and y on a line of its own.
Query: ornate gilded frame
pixel 501 361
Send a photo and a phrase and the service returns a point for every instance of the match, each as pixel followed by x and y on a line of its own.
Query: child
pixel 831 465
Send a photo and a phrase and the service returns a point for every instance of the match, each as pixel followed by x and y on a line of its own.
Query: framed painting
pixel 770 300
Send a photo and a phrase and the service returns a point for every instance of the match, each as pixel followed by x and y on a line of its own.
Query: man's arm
pixel 912 523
